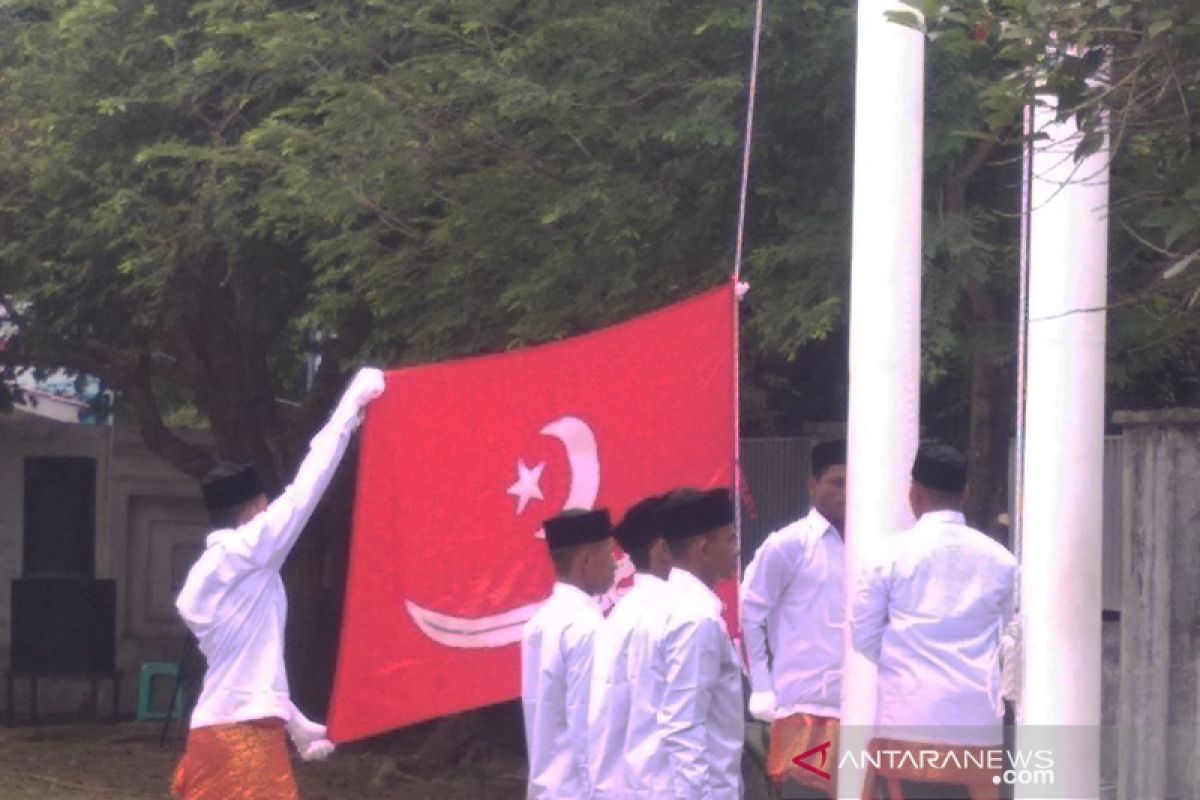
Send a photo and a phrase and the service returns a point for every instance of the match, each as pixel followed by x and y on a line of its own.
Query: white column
pixel 1064 456
pixel 885 320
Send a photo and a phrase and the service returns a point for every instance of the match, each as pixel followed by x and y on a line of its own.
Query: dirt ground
pixel 125 762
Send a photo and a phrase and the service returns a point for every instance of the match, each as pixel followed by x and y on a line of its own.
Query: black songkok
pixel 940 467
pixel 687 513
pixel 640 526
pixel 575 527
pixel 828 454
pixel 227 486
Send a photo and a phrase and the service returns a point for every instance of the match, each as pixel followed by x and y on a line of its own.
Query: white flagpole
pixel 885 322
pixel 1062 501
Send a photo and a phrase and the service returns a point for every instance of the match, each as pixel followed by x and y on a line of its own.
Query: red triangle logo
pixel 823 749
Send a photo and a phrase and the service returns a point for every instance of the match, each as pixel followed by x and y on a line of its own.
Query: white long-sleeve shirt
pixel 793 600
pixel 556 669
pixel 618 669
pixel 233 599
pixel 930 613
pixel 701 711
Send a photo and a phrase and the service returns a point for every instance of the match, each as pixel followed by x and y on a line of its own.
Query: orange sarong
pixel 242 761
pixel 813 740
pixel 900 761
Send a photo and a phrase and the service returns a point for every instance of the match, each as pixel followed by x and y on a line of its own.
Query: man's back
pixel 239 626
pixel 701 716
pixel 556 660
pixel 621 668
pixel 931 613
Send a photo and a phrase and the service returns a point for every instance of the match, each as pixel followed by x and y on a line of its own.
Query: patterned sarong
pixel 948 765
pixel 804 735
pixel 242 761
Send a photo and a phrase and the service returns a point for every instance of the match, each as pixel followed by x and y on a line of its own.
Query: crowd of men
pixel 648 701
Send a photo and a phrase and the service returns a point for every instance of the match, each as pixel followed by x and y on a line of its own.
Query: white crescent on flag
pixel 504 628
pixel 496 630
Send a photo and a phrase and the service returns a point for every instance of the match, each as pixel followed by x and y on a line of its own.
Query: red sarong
pixel 242 761
pixel 804 736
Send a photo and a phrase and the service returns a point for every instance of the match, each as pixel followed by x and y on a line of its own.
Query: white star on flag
pixel 526 488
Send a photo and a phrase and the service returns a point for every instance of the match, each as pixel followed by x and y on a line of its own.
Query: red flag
pixel 461 462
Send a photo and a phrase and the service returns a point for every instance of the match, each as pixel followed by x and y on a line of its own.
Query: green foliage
pixel 202 187
pixel 1129 71
pixel 419 179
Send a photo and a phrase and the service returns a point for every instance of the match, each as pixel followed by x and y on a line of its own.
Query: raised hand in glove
pixel 367 384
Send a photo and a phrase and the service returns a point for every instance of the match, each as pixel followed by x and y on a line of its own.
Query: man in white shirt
pixel 930 613
pixel 234 602
pixel 699 679
pixel 556 656
pixel 793 611
pixel 615 668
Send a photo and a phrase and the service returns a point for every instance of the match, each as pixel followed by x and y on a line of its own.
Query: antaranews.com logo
pixel 1011 767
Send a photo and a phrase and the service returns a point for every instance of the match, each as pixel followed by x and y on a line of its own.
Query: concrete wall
pixel 1159 745
pixel 150 525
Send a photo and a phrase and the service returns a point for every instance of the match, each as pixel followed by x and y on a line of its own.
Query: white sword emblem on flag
pixel 499 630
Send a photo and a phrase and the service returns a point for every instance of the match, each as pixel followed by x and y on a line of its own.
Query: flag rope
pixel 748 140
pixel 739 253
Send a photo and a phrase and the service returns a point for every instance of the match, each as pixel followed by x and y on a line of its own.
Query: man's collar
pixel 822 524
pixel 690 584
pixel 647 579
pixel 571 592
pixel 943 515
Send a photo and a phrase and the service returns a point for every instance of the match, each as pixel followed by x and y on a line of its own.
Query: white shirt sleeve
pixel 265 541
pixel 693 661
pixel 869 611
pixel 764 583
pixel 602 732
pixel 577 643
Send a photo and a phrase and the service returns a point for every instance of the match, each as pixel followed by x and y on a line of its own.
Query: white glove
pixel 762 706
pixel 368 383
pixel 319 750
pixel 308 736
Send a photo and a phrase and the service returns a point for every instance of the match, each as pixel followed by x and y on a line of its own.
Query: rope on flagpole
pixel 748 140
pixel 739 252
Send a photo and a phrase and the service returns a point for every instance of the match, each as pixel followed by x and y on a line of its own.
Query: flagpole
pixel 1062 500
pixel 885 327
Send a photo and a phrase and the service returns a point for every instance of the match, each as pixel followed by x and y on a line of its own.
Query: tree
pixel 198 193
pixel 1129 70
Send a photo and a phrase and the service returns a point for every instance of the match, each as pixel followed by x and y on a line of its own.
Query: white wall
pixel 150 525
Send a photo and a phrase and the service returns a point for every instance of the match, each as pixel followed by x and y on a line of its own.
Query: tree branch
pixel 130 374
pixel 186 457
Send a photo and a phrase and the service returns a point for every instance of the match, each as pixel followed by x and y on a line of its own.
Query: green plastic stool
pixel 151 671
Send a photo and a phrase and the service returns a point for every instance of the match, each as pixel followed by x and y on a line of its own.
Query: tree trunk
pixel 991 392
pixel 987 452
